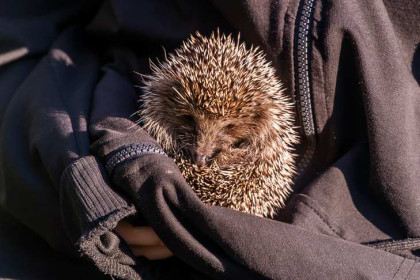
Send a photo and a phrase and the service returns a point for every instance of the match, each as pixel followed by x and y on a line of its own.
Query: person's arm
pixel 37 136
pixel 49 180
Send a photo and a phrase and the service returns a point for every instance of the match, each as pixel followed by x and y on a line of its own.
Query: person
pixel 73 170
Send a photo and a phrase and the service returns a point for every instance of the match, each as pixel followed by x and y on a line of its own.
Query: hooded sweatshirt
pixel 73 163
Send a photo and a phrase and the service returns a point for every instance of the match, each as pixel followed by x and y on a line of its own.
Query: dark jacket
pixel 66 111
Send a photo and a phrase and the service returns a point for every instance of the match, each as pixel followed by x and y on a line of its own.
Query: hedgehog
pixel 218 108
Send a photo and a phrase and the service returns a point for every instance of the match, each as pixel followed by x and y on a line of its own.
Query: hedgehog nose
pixel 200 160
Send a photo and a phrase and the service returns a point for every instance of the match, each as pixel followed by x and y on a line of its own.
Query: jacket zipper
pixel 303 92
pixel 304 102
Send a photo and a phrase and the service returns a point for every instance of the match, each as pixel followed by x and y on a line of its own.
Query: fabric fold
pixel 90 209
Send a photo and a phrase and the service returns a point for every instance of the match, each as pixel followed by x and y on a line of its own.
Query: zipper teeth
pixel 130 152
pixel 304 94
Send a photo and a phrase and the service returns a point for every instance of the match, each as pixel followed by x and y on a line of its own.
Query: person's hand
pixel 143 241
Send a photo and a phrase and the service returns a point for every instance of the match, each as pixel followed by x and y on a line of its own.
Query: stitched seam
pixel 112 140
pixel 395 274
pixel 411 268
pixel 322 218
pixel 417 259
pixel 273 28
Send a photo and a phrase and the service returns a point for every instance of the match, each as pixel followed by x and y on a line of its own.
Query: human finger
pixel 137 236
pixel 152 252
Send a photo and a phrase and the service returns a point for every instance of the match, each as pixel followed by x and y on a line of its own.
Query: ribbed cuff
pixel 90 209
pixel 83 187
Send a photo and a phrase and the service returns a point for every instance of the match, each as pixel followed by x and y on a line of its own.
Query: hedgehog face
pixel 205 140
pixel 211 99
pixel 216 140
pixel 206 130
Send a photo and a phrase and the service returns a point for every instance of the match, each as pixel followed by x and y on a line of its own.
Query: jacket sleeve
pixel 42 111
pixel 226 244
pixel 220 242
pixel 50 182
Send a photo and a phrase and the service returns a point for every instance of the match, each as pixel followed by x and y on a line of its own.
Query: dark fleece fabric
pixel 67 107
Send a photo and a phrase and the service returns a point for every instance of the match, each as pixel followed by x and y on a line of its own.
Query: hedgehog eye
pixel 230 126
pixel 240 144
pixel 215 153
